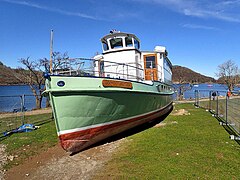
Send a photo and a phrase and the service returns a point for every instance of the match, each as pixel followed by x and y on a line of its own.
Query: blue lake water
pixel 11 98
pixel 205 88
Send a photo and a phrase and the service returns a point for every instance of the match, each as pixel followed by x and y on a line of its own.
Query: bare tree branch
pixel 229 73
pixel 33 74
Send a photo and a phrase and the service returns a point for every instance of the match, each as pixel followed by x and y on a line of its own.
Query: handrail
pixel 100 68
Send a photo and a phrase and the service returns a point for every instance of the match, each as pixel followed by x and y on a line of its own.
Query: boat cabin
pixel 122 58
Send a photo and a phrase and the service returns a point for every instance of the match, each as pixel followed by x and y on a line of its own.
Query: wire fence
pixel 223 105
pixel 14 103
pixel 14 111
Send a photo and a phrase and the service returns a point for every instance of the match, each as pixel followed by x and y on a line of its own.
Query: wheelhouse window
pixel 105 46
pixel 128 42
pixel 136 44
pixel 116 43
pixel 150 62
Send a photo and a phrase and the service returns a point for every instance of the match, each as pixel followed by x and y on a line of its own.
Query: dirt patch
pixel 55 163
pixel 180 112
pixel 160 124
pixel 164 124
pixel 219 156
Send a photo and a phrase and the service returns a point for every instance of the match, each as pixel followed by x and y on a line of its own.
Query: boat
pixel 122 88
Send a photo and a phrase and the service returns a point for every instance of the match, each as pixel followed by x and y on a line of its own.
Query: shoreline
pixel 26 113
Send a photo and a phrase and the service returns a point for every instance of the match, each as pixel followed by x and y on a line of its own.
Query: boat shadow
pixel 127 133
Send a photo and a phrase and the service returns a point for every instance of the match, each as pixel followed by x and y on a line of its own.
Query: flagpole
pixel 51 51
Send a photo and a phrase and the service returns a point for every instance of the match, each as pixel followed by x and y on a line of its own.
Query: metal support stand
pixel 232 137
pixel 226 124
pixel 197 98
pixel 23 108
pixel 217 104
pixel 226 109
pixel 210 101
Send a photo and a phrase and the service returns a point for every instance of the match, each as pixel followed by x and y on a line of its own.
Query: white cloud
pixel 235 2
pixel 51 9
pixel 196 26
pixel 226 10
pixel 222 10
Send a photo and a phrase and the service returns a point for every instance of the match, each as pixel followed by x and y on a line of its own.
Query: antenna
pixel 51 51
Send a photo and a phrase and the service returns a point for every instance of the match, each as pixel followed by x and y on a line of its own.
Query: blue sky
pixel 198 34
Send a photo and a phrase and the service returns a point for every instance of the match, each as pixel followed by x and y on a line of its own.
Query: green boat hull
pixel 86 111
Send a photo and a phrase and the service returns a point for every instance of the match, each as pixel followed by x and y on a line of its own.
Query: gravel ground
pixel 57 164
pixel 3 160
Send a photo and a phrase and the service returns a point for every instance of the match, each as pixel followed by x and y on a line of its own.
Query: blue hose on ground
pixel 22 128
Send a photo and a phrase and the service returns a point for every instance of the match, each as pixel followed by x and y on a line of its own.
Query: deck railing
pixel 101 68
pixel 225 108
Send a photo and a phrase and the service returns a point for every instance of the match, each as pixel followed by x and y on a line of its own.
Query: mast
pixel 51 51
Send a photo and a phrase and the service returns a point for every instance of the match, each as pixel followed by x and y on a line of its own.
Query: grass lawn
pixel 24 145
pixel 187 147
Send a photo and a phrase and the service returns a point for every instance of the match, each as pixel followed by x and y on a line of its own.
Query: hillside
pixel 8 76
pixel 186 75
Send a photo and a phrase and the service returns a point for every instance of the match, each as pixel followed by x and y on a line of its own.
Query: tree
pixel 33 74
pixel 229 73
pixel 181 88
pixel 59 61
